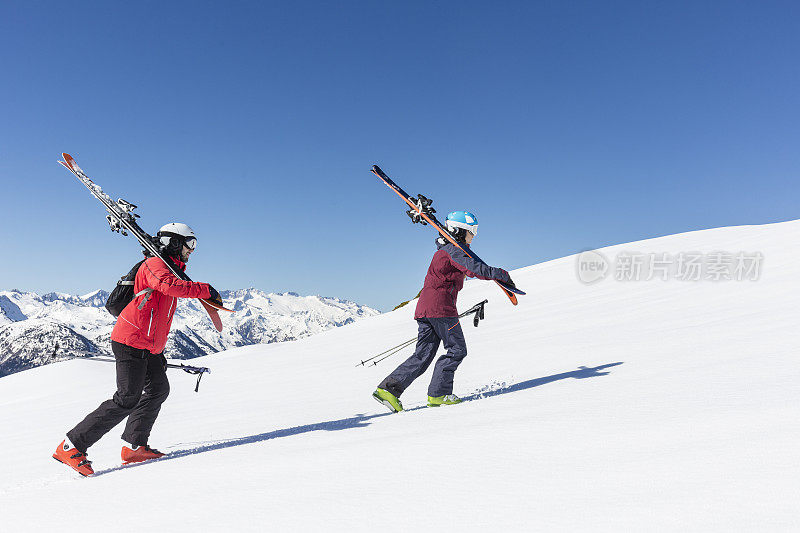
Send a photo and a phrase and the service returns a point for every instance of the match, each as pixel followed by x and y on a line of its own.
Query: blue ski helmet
pixel 464 220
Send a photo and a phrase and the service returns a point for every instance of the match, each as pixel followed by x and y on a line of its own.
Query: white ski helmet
pixel 462 220
pixel 177 234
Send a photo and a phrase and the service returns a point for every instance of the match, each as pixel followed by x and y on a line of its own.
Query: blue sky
pixel 564 126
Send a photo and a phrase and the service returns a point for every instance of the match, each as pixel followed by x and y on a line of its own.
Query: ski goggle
pixel 190 243
pixel 471 228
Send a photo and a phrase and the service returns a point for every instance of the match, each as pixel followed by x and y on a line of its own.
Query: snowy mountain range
pixel 32 324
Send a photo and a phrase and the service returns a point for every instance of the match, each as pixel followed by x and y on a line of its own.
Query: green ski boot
pixel 388 399
pixel 447 399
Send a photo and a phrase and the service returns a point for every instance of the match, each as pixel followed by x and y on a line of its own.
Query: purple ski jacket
pixel 445 278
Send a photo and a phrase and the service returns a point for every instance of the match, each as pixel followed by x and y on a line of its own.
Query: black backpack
pixel 123 294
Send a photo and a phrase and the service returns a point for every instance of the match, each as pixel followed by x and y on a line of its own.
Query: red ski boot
pixel 73 458
pixel 137 454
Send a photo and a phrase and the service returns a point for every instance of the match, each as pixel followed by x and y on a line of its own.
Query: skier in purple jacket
pixel 437 317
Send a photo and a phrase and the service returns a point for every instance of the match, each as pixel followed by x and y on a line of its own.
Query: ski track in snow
pixel 619 406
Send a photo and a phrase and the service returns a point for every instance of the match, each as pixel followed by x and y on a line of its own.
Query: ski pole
pixel 478 309
pixel 394 352
pixel 393 349
pixel 89 356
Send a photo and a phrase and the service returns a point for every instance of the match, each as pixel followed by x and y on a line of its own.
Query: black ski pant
pixel 142 387
pixel 432 331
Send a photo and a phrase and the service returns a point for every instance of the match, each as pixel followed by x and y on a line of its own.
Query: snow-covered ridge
pixel 32 324
pixel 613 406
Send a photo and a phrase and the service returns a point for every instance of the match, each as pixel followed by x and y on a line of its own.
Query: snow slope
pixel 618 406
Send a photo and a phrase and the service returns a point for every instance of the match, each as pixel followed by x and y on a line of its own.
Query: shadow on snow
pixel 361 420
pixel 582 373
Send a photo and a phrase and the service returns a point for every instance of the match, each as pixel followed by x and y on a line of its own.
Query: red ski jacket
pixel 145 322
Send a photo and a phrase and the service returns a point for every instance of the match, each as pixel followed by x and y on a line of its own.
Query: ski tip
pixel 511 296
pixel 509 289
pixel 215 305
pixel 70 163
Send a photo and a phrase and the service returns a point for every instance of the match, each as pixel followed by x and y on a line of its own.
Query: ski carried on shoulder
pixel 421 212
pixel 122 219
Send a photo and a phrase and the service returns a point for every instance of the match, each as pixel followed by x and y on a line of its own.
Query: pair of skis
pixel 122 219
pixel 421 212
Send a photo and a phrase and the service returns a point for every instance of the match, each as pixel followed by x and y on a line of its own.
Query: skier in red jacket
pixel 138 341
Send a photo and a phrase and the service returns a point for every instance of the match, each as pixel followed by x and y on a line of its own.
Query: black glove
pixel 214 294
pixel 506 278
pixel 162 360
